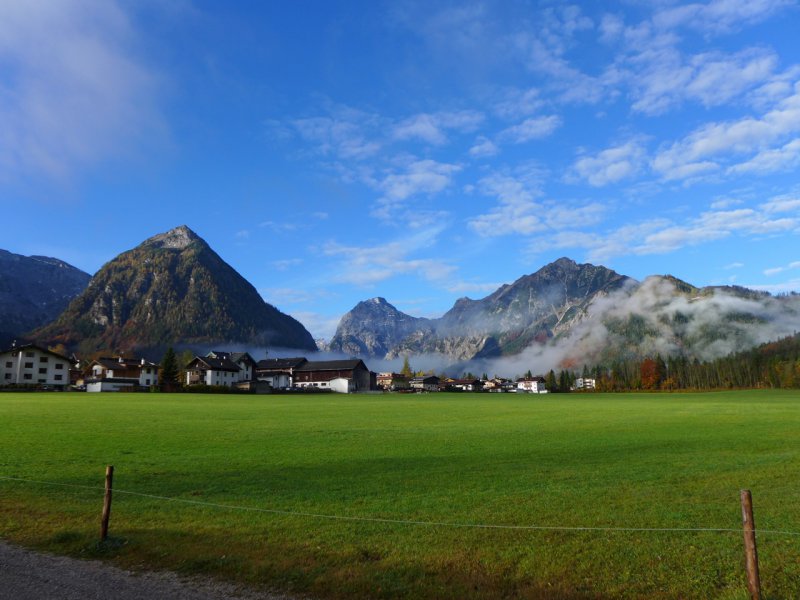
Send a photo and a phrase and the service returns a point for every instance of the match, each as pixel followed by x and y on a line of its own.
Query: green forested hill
pixel 171 289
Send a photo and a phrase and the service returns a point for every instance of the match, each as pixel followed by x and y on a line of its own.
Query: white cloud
pixel 733 265
pixel 725 203
pixel 661 236
pixel 517 211
pixel 418 177
pixel 565 216
pixel 771 160
pixel 693 155
pixel 661 77
pixel 347 134
pixel 483 147
pixel 789 267
pixel 719 16
pixel 367 265
pixel 611 165
pixel 531 129
pixel 74 90
pixel 430 128
pixel 782 204
pixel 516 103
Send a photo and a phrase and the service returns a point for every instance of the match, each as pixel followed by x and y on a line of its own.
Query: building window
pixel 28 365
pixel 8 375
pixel 147 382
pixel 42 380
pixel 27 376
pixel 42 359
pixel 29 355
pixel 59 366
pixel 59 377
pixel 42 370
pixel 9 364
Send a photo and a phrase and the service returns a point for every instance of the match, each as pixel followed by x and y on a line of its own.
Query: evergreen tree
pixel 550 382
pixel 169 367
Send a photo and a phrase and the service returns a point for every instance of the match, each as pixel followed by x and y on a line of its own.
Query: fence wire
pixel 384 520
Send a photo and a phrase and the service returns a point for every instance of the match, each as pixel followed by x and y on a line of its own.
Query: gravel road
pixel 27 575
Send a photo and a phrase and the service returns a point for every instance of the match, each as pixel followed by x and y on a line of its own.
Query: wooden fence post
pixel 750 552
pixel 106 504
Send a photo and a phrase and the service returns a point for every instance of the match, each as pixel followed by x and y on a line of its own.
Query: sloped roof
pixel 214 364
pixel 109 362
pixel 232 356
pixel 332 365
pixel 281 363
pixel 34 347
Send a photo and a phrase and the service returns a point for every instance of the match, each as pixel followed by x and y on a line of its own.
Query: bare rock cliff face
pixel 373 328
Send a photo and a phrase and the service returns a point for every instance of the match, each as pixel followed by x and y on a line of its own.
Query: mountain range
pixel 568 314
pixel 172 289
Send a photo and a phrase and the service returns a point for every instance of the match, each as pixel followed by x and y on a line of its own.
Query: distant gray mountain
pixel 573 314
pixel 373 328
pixel 533 309
pixel 34 290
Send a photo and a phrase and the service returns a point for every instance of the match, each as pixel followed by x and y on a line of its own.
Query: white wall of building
pixel 31 366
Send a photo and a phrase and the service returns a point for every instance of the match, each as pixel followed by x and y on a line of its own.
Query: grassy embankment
pixel 650 461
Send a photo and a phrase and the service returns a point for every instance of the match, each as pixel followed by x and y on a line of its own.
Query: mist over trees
pixel 771 365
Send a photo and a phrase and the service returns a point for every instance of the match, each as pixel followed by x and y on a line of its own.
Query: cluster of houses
pixel 397 382
pixel 32 365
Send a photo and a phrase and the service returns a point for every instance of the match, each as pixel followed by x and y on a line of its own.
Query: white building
pixel 114 374
pixel 584 384
pixel 245 362
pixel 33 365
pixel 531 385
pixel 212 371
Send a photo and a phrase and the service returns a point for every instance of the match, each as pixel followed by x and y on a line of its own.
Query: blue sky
pixel 420 151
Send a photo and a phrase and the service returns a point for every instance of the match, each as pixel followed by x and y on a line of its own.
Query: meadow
pixel 627 461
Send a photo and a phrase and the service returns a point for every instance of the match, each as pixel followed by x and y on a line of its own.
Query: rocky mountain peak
pixel 179 238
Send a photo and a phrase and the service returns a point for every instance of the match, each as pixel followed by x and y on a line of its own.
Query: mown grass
pixel 634 461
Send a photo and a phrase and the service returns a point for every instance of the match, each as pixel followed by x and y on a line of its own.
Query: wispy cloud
pixel 367 265
pixel 517 210
pixel 788 267
pixel 662 236
pixel 286 263
pixel 611 165
pixel 719 16
pixel 432 128
pixel 75 91
pixel 531 129
pixel 707 147
pixel 483 147
pixel 418 177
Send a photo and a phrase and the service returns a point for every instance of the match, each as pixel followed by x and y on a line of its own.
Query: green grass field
pixel 629 461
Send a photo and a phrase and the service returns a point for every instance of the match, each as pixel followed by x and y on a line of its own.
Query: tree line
pixel 772 365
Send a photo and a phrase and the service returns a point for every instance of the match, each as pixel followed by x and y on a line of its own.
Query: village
pixel 31 366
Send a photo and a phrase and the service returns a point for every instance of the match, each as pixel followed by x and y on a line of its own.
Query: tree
pixel 550 382
pixel 169 367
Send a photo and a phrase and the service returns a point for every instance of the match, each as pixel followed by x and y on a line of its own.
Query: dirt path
pixel 27 575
